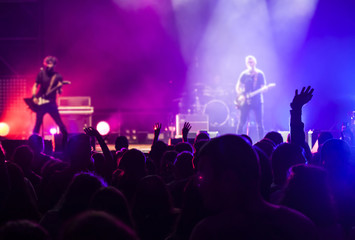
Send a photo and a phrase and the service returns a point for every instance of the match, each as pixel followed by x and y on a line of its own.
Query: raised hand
pixel 302 98
pixel 157 128
pixel 92 132
pixel 185 131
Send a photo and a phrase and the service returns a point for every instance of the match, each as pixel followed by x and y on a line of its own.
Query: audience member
pixel 130 171
pixel 322 138
pixel 229 182
pixel 95 225
pixel 202 135
pixel 183 172
pixel 308 191
pixel 285 156
pixel 19 201
pixel 152 209
pixel 36 143
pixel 167 166
pixel 335 157
pixel 266 176
pixel 184 146
pixel 275 137
pixel 121 142
pixel 75 200
pixel 112 201
pixel 23 230
pixel 78 154
pixel 267 146
pixel 23 156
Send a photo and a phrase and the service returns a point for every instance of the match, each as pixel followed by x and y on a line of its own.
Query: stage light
pixel 103 128
pixel 4 129
pixel 53 131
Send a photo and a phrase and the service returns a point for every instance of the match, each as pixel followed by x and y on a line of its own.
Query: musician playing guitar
pixel 44 93
pixel 250 80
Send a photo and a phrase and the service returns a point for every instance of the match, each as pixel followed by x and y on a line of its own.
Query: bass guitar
pixel 42 99
pixel 244 98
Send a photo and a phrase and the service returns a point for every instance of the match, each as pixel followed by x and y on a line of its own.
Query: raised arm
pixel 107 154
pixel 157 128
pixel 185 131
pixel 296 124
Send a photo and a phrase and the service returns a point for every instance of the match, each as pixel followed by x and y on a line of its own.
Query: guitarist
pixel 250 80
pixel 47 79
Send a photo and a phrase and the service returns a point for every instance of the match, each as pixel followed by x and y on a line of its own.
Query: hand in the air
pixel 186 129
pixel 157 128
pixel 92 132
pixel 302 98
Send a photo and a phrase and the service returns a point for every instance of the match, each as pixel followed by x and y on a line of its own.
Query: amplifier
pixel 76 113
pixel 74 101
pixel 198 122
pixel 84 110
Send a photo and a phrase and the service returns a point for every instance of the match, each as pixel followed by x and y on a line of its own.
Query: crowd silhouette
pixel 225 187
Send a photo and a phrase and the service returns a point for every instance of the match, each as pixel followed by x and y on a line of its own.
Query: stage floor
pixel 142 147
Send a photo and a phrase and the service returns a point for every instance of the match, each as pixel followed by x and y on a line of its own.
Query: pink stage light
pixel 53 131
pixel 4 129
pixel 103 128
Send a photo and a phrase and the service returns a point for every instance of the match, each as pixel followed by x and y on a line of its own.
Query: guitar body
pixel 35 106
pixel 245 98
pixel 31 105
pixel 41 100
pixel 241 100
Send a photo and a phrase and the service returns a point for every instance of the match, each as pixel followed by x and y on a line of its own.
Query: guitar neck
pixel 51 91
pixel 56 88
pixel 260 90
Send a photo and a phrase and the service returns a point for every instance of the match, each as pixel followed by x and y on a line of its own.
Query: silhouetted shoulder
pixel 275 222
pixel 294 224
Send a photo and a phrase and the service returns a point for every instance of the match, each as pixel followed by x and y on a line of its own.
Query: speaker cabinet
pixel 198 122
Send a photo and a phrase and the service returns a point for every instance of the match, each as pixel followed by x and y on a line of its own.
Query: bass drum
pixel 218 113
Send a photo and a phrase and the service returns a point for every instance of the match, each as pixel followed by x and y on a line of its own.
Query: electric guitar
pixel 42 99
pixel 244 98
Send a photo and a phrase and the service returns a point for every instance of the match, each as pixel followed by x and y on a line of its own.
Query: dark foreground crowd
pixel 221 188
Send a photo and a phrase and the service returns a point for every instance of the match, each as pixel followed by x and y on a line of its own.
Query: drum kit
pixel 216 102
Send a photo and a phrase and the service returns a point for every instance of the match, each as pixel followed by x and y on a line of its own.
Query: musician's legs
pixel 54 113
pixel 258 109
pixel 244 114
pixel 39 119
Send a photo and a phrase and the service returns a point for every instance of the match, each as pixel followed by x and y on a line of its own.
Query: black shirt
pixel 44 80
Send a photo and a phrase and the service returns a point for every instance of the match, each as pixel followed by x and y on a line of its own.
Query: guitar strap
pixel 51 84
